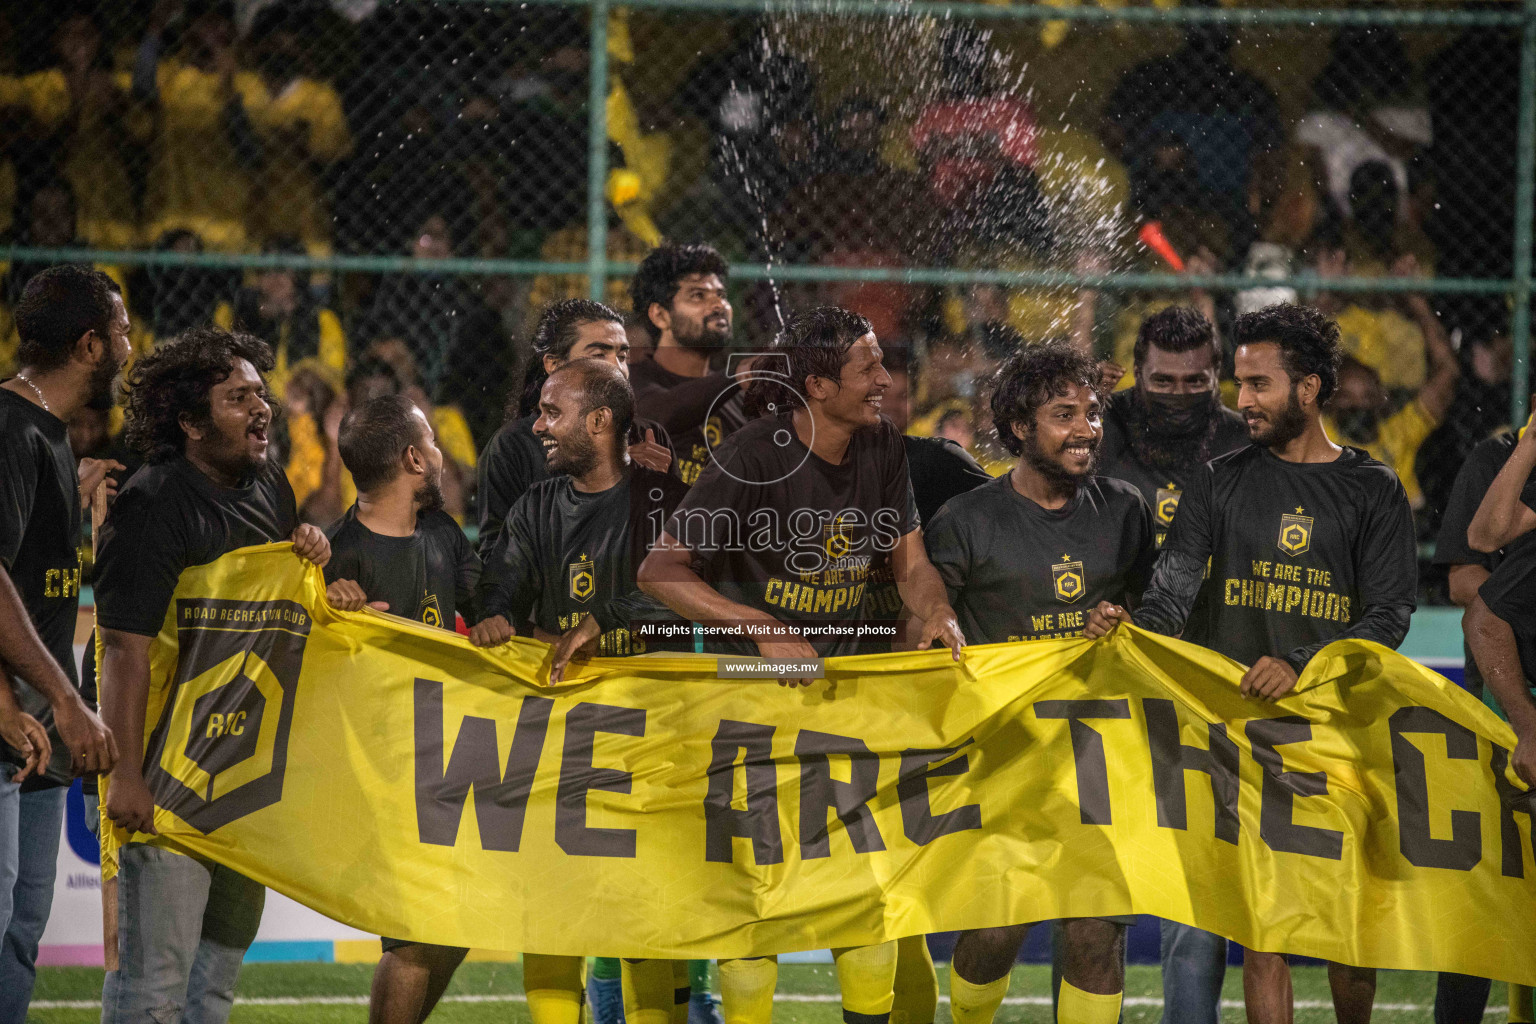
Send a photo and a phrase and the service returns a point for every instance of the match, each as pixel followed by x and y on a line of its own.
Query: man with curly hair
pixel 198 413
pixel 1279 549
pixel 679 295
pixel 1025 557
pixel 74 341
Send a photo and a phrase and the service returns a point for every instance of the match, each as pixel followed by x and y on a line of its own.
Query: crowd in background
pixel 435 130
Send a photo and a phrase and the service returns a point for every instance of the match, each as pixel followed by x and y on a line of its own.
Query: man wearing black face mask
pixel 1172 421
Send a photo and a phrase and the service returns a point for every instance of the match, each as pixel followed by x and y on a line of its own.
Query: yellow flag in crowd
pixel 397 779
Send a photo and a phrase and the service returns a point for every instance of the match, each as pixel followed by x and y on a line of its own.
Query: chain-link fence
pixel 390 190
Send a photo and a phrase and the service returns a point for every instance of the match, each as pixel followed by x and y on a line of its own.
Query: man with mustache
pixel 566 563
pixel 74 341
pixel 679 294
pixel 1025 557
pixel 198 413
pixel 396 550
pixel 1306 542
pixel 1172 421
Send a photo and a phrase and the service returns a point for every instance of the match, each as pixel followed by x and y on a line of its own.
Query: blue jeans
pixel 30 826
pixel 1194 965
pixel 183 926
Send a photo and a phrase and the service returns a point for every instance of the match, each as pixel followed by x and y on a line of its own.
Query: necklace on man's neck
pixel 36 391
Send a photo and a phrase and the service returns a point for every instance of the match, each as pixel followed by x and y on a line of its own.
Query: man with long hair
pixel 198 414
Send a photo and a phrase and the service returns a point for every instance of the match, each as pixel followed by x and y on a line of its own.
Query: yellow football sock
pixel 970 1003
pixel 556 992
pixel 682 990
pixel 1074 1006
pixel 647 991
pixel 1520 1009
pixel 746 989
pixel 917 986
pixel 867 975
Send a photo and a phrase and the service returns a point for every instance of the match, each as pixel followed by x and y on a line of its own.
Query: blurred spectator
pixel 1361 412
pixel 205 150
pixel 454 340
pixel 168 299
pixel 543 126
pixel 569 245
pixel 1479 410
pixel 1183 240
pixel 314 405
pixel 1195 100
pixel 955 425
pixel 984 205
pixel 81 112
pixel 45 219
pixel 1365 112
pixel 1473 90
pixel 1288 220
pixel 757 102
pixel 281 310
pixel 854 213
pixel 302 130
pixel 1379 329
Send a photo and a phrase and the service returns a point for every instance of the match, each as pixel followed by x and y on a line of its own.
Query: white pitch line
pixel 788 997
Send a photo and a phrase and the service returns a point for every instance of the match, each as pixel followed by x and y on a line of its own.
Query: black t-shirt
pixel 1472 483
pixel 39 545
pixel 700 412
pixel 566 554
pixel 774 527
pixel 939 469
pixel 513 461
pixel 170 517
pixel 429 576
pixel 1017 571
pixel 1451 546
pixel 1297 551
pixel 1161 485
pixel 1510 593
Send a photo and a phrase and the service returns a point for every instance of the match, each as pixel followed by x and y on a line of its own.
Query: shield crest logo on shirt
pixel 1295 533
pixel 1167 504
pixel 836 540
pixel 583 583
pixel 1067 581
pixel 429 612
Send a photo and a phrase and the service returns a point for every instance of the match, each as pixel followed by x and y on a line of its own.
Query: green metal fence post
pixel 597 154
pixel 1525 209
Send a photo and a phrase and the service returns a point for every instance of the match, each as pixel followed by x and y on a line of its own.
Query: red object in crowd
pixel 1151 236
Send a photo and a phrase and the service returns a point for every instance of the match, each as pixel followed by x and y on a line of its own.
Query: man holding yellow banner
pixel 1025 557
pixel 198 413
pixel 821 465
pixel 1278 549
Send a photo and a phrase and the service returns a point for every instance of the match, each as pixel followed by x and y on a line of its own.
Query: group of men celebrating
pixel 617 500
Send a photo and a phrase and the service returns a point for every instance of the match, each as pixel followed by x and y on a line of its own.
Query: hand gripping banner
pixel 395 778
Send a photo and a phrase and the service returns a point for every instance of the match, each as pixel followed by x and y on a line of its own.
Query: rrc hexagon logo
pixel 220 747
pixel 583 582
pixel 1167 504
pixel 1295 534
pixel 1067 580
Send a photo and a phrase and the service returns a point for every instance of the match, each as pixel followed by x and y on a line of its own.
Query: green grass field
pixel 491 992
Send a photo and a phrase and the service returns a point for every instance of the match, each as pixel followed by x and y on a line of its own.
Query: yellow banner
pixel 397 779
